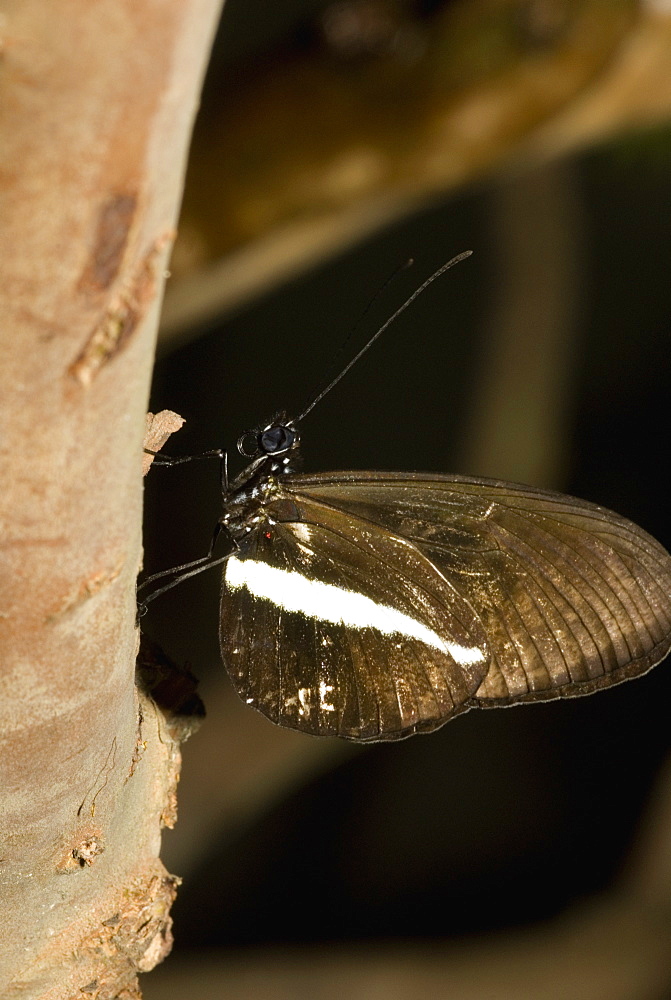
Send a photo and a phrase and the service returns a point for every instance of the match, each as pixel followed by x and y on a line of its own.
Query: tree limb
pixel 98 105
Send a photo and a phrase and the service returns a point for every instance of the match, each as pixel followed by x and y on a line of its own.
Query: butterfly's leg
pixel 161 459
pixel 186 565
pixel 142 608
pixel 223 473
pixel 195 566
pixel 184 571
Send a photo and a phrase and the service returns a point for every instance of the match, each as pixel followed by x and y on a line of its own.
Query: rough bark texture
pixel 98 101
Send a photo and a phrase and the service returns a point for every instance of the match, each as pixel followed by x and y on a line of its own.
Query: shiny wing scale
pixel 336 626
pixel 571 596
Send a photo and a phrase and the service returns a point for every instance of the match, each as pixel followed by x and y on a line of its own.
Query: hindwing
pixel 572 596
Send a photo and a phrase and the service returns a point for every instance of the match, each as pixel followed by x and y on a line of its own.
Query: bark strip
pixel 96 112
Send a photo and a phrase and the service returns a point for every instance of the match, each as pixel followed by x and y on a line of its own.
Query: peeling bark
pixel 98 102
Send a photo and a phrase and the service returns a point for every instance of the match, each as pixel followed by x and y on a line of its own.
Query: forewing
pixel 572 597
pixel 336 626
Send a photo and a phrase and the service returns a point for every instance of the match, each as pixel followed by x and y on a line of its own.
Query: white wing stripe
pixel 325 602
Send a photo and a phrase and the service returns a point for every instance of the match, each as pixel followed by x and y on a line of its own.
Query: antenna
pixel 418 291
pixel 357 323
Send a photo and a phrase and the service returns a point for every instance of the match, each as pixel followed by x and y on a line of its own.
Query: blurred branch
pixel 606 948
pixel 519 406
pixel 310 154
pixel 616 945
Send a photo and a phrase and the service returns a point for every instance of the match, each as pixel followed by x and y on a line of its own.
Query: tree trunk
pixel 96 114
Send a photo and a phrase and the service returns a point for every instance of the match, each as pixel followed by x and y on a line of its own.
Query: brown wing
pixel 336 626
pixel 572 597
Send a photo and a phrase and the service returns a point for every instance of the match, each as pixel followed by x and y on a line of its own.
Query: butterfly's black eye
pixel 276 440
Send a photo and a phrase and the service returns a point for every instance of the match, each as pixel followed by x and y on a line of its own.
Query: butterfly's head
pixel 279 442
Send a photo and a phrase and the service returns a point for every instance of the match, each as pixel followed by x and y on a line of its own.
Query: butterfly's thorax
pixel 277 453
pixel 257 499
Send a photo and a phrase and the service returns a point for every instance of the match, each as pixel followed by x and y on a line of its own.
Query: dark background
pixel 502 817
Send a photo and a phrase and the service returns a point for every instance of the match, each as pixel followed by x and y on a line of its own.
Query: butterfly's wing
pixel 334 625
pixel 572 597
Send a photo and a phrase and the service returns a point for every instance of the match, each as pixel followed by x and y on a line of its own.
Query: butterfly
pixel 375 605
